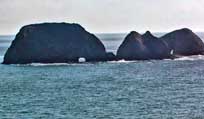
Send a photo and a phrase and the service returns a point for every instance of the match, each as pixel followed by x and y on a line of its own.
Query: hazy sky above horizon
pixel 105 15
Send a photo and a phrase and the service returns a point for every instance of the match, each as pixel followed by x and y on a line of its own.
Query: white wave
pixel 184 58
pixel 47 64
pixel 50 64
pixel 122 61
pixel 191 58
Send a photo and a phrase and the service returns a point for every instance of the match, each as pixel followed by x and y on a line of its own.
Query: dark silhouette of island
pixel 69 43
pixel 55 43
pixel 184 42
pixel 143 47
pixel 178 43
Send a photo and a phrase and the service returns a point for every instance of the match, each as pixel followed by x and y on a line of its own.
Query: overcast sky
pixel 104 15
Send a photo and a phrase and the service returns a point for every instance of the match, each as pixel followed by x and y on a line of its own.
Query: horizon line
pixel 199 31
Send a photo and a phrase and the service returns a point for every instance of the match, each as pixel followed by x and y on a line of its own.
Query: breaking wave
pixel 191 58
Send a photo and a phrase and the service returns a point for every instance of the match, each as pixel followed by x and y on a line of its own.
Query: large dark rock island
pixel 55 43
pixel 178 43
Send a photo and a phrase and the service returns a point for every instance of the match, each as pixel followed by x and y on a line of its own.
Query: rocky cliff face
pixel 181 42
pixel 157 48
pixel 143 47
pixel 65 43
pixel 54 43
pixel 132 48
pixel 184 42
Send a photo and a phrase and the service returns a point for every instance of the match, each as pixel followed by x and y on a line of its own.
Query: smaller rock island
pixel 182 42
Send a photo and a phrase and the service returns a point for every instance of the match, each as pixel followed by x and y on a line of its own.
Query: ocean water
pixel 155 89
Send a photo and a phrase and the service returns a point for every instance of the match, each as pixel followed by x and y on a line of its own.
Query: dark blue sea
pixel 155 89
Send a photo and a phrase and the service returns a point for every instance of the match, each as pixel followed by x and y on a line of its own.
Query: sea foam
pixel 191 58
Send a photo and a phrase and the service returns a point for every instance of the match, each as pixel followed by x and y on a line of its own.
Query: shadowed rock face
pixel 142 47
pixel 132 48
pixel 110 56
pixel 157 48
pixel 54 43
pixel 184 42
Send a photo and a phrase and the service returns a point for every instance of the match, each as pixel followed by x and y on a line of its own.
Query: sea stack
pixel 132 48
pixel 54 43
pixel 143 47
pixel 184 42
pixel 157 48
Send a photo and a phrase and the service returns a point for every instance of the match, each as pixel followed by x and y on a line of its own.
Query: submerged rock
pixel 54 43
pixel 184 42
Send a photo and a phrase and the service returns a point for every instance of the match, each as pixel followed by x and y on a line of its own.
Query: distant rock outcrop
pixel 111 56
pixel 143 47
pixel 181 42
pixel 157 48
pixel 184 42
pixel 54 43
pixel 132 48
pixel 65 43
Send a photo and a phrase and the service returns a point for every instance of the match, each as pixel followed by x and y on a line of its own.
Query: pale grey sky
pixel 104 15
